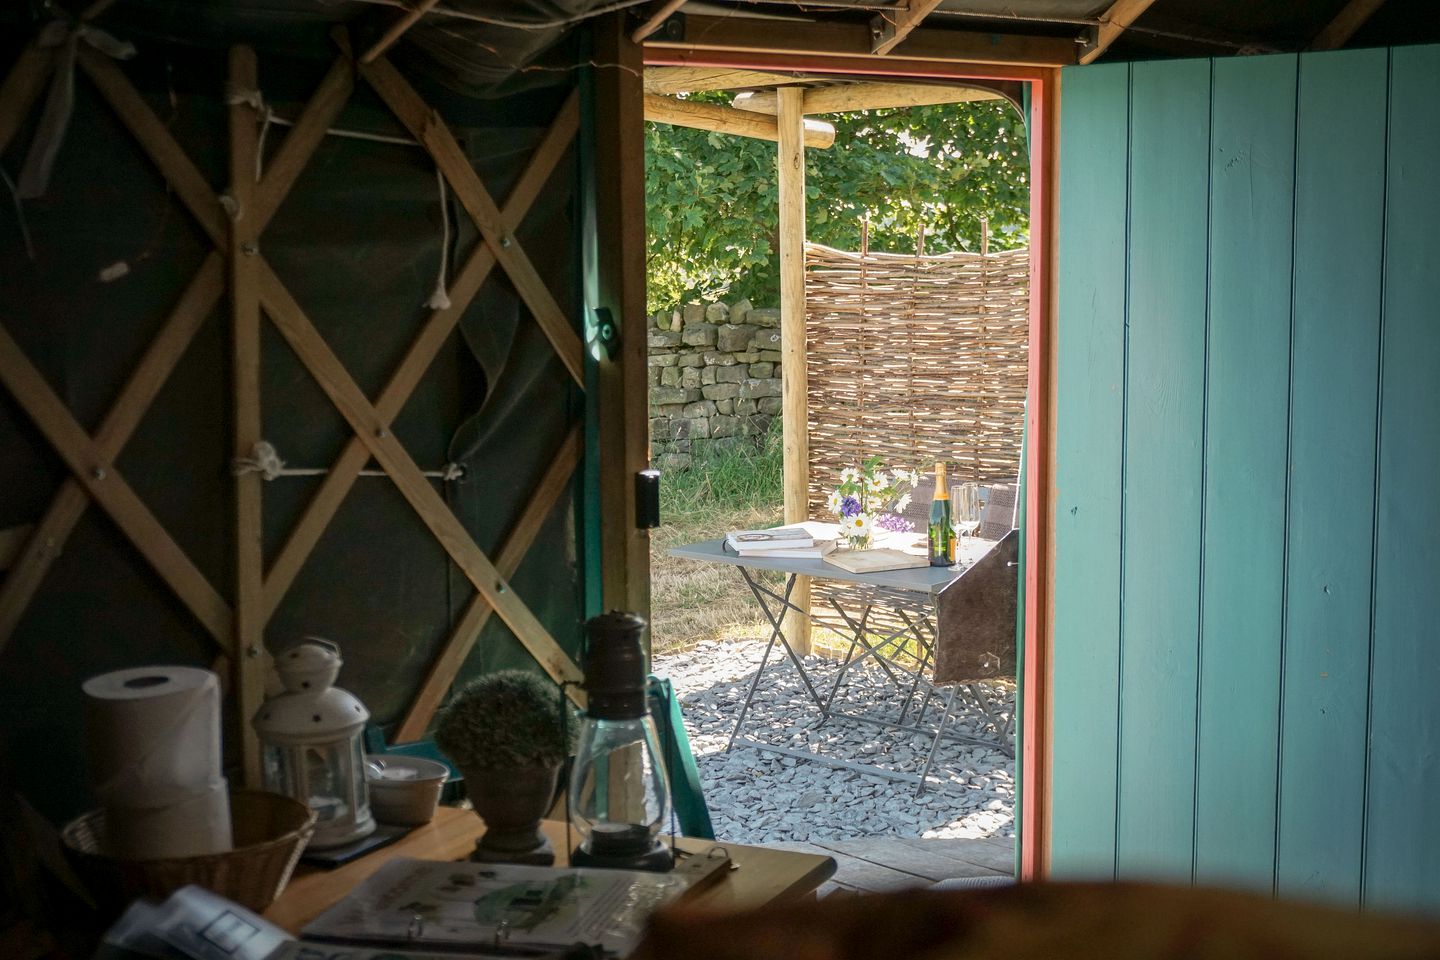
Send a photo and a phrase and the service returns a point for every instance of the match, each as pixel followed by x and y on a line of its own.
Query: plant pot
pixel 512 802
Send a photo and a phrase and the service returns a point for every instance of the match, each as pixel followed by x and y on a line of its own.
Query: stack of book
pixel 780 543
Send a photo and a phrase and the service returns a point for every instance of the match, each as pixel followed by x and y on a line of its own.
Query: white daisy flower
pixel 836 501
pixel 875 484
pixel 914 478
pixel 902 503
pixel 858 525
pixel 849 475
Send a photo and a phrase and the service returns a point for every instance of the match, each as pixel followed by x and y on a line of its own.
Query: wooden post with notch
pixel 623 391
pixel 249 659
pixel 795 416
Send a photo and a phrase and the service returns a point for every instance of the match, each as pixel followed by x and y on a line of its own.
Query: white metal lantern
pixel 312 738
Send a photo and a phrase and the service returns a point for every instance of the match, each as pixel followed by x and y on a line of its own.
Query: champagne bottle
pixel 941 535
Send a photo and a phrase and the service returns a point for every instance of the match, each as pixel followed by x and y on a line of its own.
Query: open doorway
pixel 794 774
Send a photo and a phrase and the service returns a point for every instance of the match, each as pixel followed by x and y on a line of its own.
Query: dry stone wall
pixel 714 378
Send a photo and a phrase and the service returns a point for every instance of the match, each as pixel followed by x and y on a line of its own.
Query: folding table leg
pixel 775 622
pixel 984 701
pixel 924 704
pixel 919 669
pixel 871 650
pixel 775 634
pixel 929 687
pixel 935 744
pixel 856 630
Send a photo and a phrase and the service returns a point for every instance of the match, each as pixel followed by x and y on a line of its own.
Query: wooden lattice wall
pixel 915 358
pixel 259 325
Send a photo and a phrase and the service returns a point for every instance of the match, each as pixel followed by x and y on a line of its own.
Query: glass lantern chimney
pixel 312 747
pixel 619 797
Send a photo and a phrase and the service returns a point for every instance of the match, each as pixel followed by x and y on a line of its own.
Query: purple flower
pixel 849 507
pixel 895 524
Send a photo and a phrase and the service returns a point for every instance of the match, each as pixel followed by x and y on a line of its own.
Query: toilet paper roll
pixel 192 826
pixel 152 735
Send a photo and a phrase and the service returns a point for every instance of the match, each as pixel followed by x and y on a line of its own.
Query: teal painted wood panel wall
pixel 1247 624
pixel 1164 414
pixel 1252 167
pixel 1087 512
pixel 1402 836
pixel 1334 349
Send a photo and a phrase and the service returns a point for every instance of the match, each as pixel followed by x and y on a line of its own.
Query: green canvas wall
pixel 358 242
pixel 1247 620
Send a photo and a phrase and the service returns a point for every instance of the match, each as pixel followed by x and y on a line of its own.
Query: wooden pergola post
pixel 795 417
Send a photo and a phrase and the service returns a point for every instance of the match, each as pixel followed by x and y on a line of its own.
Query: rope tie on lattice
pixel 260 141
pixel 439 298
pixel 60 100
pixel 265 460
pixel 235 95
pixel 230 205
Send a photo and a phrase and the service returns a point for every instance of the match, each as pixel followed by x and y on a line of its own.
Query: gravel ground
pixel 761 797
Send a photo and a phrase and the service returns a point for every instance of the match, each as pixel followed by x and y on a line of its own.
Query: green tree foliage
pixel 711 198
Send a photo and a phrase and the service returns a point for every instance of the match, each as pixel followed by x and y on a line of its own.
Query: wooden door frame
pixel 617 132
pixel 1035 681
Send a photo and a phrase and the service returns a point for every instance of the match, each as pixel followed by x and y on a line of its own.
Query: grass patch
pixel 721 482
pixel 722 490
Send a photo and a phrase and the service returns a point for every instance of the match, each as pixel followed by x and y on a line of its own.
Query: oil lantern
pixel 618 793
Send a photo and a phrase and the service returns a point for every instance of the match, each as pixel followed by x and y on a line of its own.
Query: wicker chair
pixel 996 519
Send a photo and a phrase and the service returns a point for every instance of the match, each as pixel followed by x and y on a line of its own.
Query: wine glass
pixel 964 516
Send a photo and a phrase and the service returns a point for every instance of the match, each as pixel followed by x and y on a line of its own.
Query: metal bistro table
pixel 913 596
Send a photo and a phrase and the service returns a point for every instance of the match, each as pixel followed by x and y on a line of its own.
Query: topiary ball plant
pixel 505 720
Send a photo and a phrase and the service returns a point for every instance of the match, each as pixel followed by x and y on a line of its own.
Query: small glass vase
pixel 860 543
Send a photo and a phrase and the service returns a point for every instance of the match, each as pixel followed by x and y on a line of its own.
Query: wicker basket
pixel 269 833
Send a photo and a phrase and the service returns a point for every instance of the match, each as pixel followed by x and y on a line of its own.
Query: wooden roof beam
pixel 866 96
pixel 668 81
pixel 1114 22
pixel 709 116
pixel 661 12
pixel 1350 19
pixel 746 35
pixel 887 30
pixel 397 29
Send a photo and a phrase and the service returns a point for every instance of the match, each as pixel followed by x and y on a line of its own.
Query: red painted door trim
pixel 1040 410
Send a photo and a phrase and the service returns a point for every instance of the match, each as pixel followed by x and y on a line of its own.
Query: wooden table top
pixel 761 876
